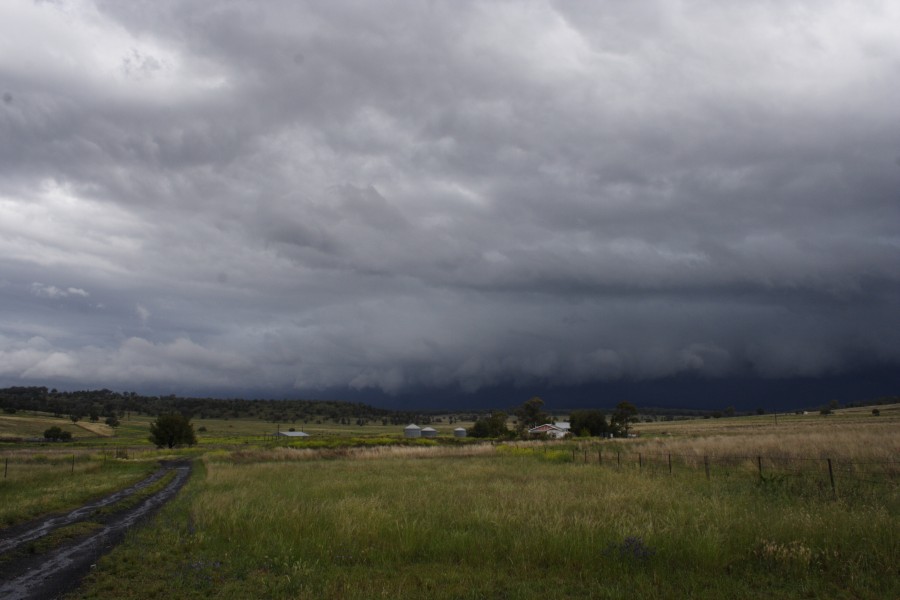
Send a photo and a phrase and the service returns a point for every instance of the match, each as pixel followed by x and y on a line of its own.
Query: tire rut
pixel 60 569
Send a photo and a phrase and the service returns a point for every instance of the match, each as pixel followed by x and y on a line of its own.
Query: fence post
pixel 831 477
pixel 640 462
pixel 670 464
pixel 706 465
pixel 759 464
pixel 585 456
pixel 73 464
pixel 599 457
pixel 618 460
pixel 6 467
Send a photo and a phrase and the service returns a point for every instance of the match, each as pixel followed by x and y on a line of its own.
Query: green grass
pixel 518 524
pixel 36 484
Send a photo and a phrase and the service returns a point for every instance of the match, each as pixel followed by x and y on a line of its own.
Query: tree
pixel 492 426
pixel 591 421
pixel 112 421
pixel 530 414
pixel 57 435
pixel 622 418
pixel 172 430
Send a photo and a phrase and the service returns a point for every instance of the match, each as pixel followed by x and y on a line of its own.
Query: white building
pixel 549 430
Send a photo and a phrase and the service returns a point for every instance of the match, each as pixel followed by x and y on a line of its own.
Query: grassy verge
pixel 39 485
pixel 515 524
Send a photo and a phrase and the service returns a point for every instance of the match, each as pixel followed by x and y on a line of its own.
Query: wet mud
pixel 28 576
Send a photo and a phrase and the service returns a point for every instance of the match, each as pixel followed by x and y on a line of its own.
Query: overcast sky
pixel 420 194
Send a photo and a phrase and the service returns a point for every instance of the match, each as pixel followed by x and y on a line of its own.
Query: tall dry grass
pixel 513 524
pixel 850 442
pixel 282 454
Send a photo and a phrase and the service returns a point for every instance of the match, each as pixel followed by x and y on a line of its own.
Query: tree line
pixel 109 406
pixel 583 423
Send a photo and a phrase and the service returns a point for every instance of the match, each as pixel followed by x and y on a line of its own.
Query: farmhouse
pixel 550 430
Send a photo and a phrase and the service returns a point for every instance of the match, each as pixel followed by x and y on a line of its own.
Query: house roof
pixel 545 428
pixel 293 433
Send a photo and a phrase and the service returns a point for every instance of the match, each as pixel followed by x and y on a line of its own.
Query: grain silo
pixel 459 432
pixel 429 432
pixel 412 431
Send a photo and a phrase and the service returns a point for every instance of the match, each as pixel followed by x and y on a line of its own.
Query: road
pixel 28 576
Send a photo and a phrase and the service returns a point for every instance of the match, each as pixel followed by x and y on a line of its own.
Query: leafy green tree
pixel 622 418
pixel 172 430
pixel 492 426
pixel 531 413
pixel 591 421
pixel 57 435
pixel 112 421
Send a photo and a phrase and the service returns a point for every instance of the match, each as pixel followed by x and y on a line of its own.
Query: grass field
pixel 521 520
pixel 528 520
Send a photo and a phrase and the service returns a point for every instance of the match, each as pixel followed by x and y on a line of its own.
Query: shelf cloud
pixel 394 196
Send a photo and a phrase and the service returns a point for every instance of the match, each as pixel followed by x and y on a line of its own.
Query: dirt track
pixel 24 575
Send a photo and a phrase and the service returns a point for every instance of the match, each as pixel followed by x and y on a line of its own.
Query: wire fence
pixel 834 472
pixel 22 465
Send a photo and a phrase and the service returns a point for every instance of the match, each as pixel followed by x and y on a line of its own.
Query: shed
pixel 429 432
pixel 459 432
pixel 412 431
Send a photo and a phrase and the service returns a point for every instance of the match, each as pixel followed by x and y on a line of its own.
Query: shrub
pixel 172 430
pixel 57 435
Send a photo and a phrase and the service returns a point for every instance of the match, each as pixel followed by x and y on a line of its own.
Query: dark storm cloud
pixel 473 194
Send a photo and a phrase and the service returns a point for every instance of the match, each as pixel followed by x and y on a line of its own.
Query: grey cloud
pixel 448 194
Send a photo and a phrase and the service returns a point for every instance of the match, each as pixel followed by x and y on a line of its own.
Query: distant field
pixel 23 425
pixel 774 423
pixel 135 429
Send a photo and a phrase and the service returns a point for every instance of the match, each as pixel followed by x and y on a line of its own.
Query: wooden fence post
pixel 670 464
pixel 73 464
pixel 759 464
pixel 6 468
pixel 831 477
pixel 599 457
pixel 618 460
pixel 706 465
pixel 640 462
